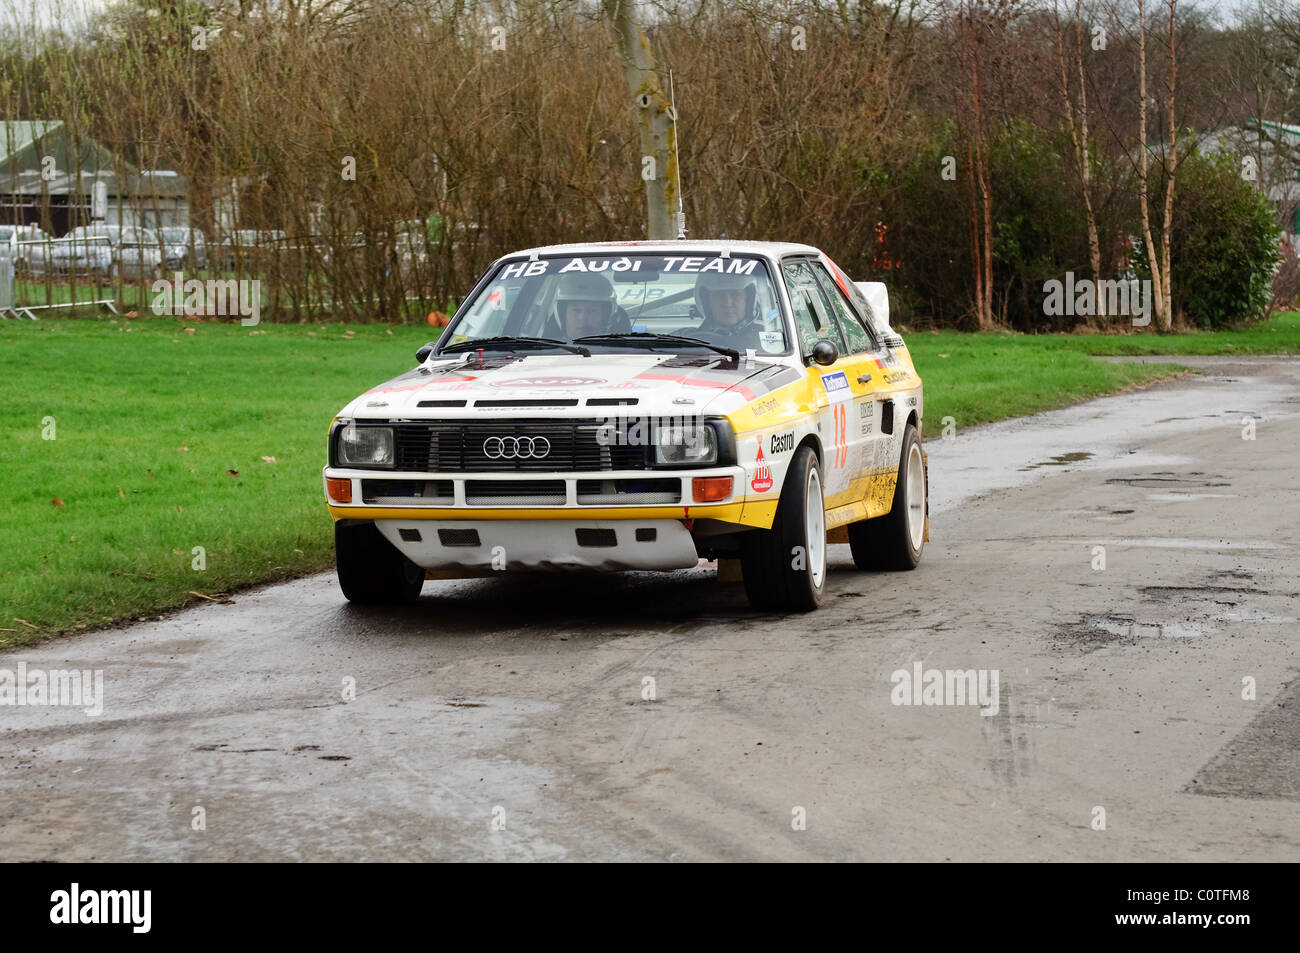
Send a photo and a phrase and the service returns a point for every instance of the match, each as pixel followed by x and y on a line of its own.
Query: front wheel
pixel 896 540
pixel 370 569
pixel 785 567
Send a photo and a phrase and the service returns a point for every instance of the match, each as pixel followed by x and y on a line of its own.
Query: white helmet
pixel 712 281
pixel 584 287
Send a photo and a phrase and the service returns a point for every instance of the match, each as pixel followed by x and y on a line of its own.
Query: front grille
pixel 642 491
pixel 408 492
pixel 515 493
pixel 541 445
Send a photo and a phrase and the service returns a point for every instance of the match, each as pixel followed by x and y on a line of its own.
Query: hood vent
pixel 539 402
pixel 613 401
pixel 441 403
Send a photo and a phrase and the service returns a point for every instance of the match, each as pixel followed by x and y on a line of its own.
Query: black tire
pixel 370 569
pixel 886 542
pixel 780 565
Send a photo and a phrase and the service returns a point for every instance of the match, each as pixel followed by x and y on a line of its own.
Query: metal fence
pixel 24 263
pixel 387 276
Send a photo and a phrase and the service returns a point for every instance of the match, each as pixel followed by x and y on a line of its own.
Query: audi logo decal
pixel 516 448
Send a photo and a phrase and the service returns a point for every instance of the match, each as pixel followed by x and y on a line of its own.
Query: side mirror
pixel 423 353
pixel 825 352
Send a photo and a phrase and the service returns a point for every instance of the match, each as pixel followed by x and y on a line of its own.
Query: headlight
pixel 694 444
pixel 366 446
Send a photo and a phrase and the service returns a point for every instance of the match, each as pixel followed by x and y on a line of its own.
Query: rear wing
pixel 877 296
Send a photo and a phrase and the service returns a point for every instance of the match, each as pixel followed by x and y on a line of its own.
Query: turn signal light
pixel 710 489
pixel 340 490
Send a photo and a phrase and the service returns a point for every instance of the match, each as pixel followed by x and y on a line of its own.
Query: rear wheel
pixel 370 569
pixel 895 541
pixel 785 567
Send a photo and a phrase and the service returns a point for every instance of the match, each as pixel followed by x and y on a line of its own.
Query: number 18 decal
pixel 841 435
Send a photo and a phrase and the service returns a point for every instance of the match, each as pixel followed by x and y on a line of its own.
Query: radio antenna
pixel 677 148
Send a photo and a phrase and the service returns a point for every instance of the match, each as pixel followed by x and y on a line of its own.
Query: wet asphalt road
pixel 506 718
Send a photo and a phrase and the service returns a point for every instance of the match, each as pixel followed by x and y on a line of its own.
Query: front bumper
pixel 655 495
pixel 477 547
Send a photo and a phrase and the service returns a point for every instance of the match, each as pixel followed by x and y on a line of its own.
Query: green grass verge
pixel 978 378
pixel 1278 335
pixel 158 448
pixel 160 435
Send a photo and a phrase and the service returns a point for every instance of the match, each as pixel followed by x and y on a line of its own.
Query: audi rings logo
pixel 516 448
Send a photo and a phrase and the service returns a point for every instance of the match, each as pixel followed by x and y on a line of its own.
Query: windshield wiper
pixel 646 337
pixel 504 343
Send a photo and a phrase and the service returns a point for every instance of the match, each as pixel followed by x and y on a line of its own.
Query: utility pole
pixel 655 120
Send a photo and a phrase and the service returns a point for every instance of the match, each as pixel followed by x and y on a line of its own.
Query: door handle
pixel 864 378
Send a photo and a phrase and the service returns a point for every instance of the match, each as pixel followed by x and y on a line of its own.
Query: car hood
pixel 568 384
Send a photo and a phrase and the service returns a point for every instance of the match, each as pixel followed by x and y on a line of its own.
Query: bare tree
pixel 1077 121
pixel 1160 266
pixel 977 171
pixel 979 24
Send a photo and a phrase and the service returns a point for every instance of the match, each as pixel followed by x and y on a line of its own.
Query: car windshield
pixel 176 236
pixel 729 301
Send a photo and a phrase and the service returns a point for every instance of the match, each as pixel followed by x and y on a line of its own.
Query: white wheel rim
pixel 915 496
pixel 815 524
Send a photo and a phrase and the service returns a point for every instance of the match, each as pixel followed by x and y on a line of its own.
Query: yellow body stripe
pixel 730 512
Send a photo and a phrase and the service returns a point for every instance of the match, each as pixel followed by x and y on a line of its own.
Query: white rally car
pixel 640 406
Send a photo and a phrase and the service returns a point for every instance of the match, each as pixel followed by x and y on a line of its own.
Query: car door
pixel 867 423
pixel 837 385
pixel 889 398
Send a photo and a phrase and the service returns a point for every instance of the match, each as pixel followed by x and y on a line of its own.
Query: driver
pixel 729 304
pixel 585 305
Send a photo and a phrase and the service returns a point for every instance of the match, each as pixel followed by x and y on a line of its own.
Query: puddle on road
pixel 1171 542
pixel 1182 612
pixel 1100 514
pixel 1165 479
pixel 1061 460
pixel 1092 632
pixel 1189 497
pixel 1129 628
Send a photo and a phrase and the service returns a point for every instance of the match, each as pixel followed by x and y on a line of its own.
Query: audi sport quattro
pixel 640 406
